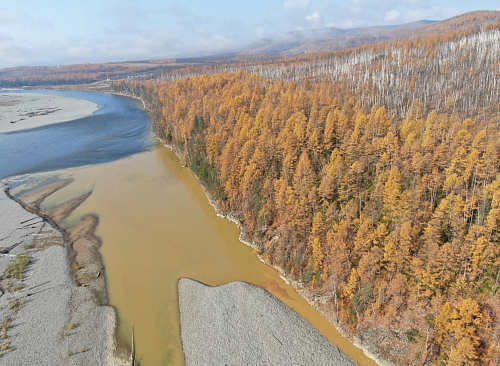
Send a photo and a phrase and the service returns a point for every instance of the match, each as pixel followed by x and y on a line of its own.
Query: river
pixel 156 226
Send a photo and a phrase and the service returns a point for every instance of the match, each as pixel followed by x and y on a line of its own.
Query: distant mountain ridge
pixel 333 39
pixel 329 39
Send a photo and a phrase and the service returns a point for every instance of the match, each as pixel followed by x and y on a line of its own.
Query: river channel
pixel 157 226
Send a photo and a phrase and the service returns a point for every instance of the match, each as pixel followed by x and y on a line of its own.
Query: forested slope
pixel 371 176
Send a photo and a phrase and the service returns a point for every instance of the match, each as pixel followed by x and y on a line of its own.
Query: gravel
pixel 52 321
pixel 242 324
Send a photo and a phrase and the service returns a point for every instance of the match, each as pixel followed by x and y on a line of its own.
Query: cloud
pixel 392 16
pixel 264 30
pixel 296 5
pixel 125 19
pixel 315 20
pixel 150 29
pixel 361 13
pixel 434 13
pixel 5 38
pixel 11 17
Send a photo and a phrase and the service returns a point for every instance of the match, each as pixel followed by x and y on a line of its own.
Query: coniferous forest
pixel 370 176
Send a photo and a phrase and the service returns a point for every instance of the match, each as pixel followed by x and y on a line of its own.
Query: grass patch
pixel 28 246
pixel 18 287
pixel 17 269
pixel 413 335
pixel 6 324
pixel 16 304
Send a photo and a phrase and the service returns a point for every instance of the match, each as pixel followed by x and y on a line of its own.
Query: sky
pixel 54 32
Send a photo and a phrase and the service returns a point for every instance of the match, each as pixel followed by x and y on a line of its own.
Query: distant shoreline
pixel 22 111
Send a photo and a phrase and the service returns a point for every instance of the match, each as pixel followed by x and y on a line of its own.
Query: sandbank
pixel 21 111
pixel 242 324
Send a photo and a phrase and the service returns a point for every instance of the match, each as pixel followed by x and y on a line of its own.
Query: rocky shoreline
pixel 48 315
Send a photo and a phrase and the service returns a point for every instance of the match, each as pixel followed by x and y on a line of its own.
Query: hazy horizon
pixel 59 32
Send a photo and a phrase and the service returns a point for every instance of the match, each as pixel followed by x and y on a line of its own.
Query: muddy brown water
pixel 157 226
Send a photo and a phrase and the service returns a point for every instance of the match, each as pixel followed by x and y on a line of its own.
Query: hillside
pixel 370 177
pixel 306 42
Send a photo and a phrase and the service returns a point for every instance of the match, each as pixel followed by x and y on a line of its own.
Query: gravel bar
pixel 242 324
pixel 45 319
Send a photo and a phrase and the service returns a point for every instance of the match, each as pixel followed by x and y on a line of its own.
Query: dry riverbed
pixel 48 316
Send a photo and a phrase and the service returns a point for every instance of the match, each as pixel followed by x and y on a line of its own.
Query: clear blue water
pixel 118 128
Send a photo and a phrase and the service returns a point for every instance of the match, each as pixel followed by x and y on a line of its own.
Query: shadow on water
pixel 118 128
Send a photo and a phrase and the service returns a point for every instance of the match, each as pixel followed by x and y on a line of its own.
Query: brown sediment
pixel 273 286
pixel 86 262
pixel 60 212
pixel 34 197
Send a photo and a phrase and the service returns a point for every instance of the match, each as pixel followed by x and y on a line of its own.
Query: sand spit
pixel 32 194
pixel 46 318
pixel 88 269
pixel 243 324
pixel 59 212
pixel 21 111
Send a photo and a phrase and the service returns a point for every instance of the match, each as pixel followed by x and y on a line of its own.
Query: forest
pixel 369 176
pixel 16 77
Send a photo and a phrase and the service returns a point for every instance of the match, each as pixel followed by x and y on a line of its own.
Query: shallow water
pixel 156 224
